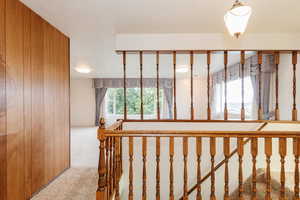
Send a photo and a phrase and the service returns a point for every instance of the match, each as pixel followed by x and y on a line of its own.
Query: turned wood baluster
pixel 259 112
pixel 282 153
pixel 121 152
pixel 174 77
pixel 277 57
pixel 111 172
pixel 208 87
pixel 240 150
pixel 226 150
pixel 157 168
pixel 294 118
pixel 108 166
pixel 171 177
pixel 102 184
pixel 192 84
pixel 130 194
pixel 294 57
pixel 185 173
pixel 157 85
pixel 141 85
pixel 225 80
pixel 144 149
pixel 243 85
pixel 199 152
pixel 212 155
pixel 114 162
pixel 124 85
pixel 296 151
pixel 268 152
pixel 118 169
pixel 254 151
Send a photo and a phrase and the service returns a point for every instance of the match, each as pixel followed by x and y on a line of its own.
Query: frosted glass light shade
pixel 236 19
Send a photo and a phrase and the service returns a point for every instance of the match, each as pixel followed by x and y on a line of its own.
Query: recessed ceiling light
pixel 182 69
pixel 83 69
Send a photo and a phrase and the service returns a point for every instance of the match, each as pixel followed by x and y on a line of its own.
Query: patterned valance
pixel 132 82
pixel 234 71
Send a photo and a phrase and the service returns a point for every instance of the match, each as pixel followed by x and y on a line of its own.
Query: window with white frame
pixel 114 102
pixel 234 98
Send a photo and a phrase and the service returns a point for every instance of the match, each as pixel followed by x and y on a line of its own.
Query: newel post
pixel 102 184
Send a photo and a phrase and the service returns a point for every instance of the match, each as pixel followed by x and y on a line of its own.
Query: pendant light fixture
pixel 236 19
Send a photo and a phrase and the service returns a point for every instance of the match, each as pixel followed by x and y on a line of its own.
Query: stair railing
pixel 110 169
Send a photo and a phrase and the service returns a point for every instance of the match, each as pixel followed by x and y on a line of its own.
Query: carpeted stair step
pixel 261 187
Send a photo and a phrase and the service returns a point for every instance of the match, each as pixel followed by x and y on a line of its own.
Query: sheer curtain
pixel 234 89
pixel 267 86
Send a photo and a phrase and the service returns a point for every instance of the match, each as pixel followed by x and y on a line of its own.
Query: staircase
pixel 261 186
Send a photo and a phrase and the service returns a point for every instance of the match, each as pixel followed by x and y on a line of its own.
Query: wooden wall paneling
pixel 59 139
pixel 3 174
pixel 67 101
pixel 27 100
pixel 49 99
pixel 14 98
pixel 38 128
pixel 54 85
pixel 64 101
pixel 55 164
pixel 34 107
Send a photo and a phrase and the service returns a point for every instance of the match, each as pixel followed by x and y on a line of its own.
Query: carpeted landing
pixel 74 184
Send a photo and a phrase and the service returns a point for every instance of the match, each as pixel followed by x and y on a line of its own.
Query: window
pixel 114 102
pixel 234 98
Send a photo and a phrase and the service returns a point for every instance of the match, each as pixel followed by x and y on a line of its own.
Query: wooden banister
pixel 102 182
pixel 171 175
pixel 110 157
pixel 110 188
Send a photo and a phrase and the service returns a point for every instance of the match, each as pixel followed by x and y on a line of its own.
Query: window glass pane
pixel 133 101
pixel 149 101
pixel 115 97
pixel 119 101
pixel 234 98
pixel 110 101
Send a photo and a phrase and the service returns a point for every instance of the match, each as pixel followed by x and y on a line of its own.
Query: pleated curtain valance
pixel 234 71
pixel 132 82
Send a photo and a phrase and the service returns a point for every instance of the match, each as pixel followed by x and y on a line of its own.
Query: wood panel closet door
pixel 38 121
pixel 14 98
pixel 34 102
pixel 49 100
pixel 27 100
pixel 3 174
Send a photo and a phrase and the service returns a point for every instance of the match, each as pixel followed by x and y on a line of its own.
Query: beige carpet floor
pixel 74 184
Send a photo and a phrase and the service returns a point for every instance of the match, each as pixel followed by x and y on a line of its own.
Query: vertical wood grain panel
pixel 34 108
pixel 14 97
pixel 49 97
pixel 56 83
pixel 58 116
pixel 3 174
pixel 38 131
pixel 27 100
pixel 66 78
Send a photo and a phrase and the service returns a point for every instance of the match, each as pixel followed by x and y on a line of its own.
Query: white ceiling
pixel 93 24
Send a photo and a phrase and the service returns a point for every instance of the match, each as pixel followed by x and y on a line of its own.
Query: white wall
pixel 82 102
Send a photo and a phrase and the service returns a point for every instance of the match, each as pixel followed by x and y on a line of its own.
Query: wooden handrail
pixel 214 134
pixel 220 164
pixel 115 133
pixel 212 121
